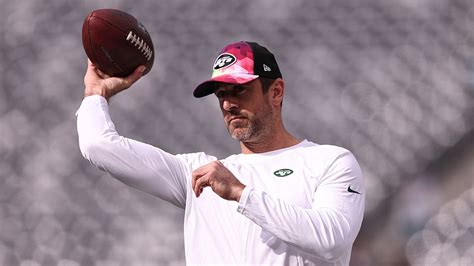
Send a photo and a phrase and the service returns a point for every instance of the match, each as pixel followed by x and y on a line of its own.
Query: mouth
pixel 234 118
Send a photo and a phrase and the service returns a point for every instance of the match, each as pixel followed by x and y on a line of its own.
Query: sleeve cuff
pixel 243 199
pixel 93 99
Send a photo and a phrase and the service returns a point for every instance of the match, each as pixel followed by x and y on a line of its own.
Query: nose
pixel 228 104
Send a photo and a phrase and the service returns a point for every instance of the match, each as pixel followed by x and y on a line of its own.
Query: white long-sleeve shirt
pixel 302 205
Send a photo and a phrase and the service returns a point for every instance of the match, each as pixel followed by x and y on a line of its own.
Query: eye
pixel 219 93
pixel 238 89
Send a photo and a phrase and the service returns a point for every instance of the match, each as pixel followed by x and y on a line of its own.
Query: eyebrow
pixel 231 88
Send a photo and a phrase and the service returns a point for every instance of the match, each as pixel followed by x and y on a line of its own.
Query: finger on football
pixel 91 68
pixel 101 74
pixel 90 76
pixel 136 75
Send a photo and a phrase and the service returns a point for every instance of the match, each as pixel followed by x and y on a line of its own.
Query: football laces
pixel 140 44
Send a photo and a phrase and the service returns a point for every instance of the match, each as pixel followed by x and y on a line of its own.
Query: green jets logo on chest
pixel 283 172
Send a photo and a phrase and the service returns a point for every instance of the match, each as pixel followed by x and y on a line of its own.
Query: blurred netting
pixel 447 238
pixel 390 80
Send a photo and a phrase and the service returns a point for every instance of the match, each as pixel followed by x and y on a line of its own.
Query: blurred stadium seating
pixel 393 81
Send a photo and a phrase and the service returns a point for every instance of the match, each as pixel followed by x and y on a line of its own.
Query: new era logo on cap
pixel 239 63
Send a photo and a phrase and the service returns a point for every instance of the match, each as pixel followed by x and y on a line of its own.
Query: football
pixel 116 42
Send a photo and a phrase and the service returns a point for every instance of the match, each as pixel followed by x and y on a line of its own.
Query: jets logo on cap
pixel 224 60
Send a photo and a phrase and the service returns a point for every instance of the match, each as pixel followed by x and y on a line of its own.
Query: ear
pixel 277 91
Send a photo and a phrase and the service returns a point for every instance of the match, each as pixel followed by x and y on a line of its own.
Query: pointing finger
pixel 199 185
pixel 193 180
pixel 195 177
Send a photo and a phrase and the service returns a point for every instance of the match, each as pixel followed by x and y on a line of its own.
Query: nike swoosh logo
pixel 349 189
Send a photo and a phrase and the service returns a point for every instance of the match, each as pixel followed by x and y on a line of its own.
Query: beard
pixel 249 129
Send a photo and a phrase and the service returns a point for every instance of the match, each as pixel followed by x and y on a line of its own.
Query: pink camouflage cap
pixel 239 63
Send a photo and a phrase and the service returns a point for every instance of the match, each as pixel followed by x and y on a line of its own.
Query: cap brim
pixel 208 86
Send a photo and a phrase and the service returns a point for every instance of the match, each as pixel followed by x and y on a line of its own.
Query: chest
pixel 288 179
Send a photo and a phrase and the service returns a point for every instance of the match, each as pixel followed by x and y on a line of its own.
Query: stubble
pixel 252 128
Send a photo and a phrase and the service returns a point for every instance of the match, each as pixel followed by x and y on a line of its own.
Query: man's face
pixel 247 111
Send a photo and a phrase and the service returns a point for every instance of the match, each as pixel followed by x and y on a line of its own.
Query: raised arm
pixel 137 164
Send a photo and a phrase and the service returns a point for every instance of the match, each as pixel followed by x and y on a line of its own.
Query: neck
pixel 279 140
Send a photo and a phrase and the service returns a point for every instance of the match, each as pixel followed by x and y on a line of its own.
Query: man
pixel 282 201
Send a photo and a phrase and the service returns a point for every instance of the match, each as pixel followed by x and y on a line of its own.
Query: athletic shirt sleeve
pixel 136 164
pixel 329 228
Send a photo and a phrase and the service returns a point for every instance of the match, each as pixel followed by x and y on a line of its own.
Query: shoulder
pixel 330 152
pixel 327 157
pixel 196 159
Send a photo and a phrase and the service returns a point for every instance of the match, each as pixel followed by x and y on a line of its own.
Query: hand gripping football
pixel 116 42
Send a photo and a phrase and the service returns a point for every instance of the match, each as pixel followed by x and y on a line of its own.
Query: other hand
pixel 219 178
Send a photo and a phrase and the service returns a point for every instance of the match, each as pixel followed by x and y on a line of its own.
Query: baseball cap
pixel 239 63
